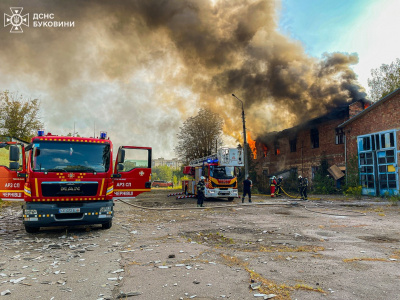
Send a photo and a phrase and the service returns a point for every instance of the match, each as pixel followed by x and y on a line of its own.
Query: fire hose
pixel 349 213
pixel 295 197
pixel 191 208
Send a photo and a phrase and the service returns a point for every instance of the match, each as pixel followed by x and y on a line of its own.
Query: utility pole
pixel 246 163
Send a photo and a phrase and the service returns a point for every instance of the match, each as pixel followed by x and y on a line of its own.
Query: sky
pixel 366 27
pixel 138 69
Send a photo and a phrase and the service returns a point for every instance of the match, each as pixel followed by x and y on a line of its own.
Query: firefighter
pixel 247 184
pixel 200 191
pixel 279 186
pixel 303 184
pixel 273 184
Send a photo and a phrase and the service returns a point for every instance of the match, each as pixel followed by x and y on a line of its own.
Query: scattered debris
pixel 6 292
pixel 126 295
pixel 255 286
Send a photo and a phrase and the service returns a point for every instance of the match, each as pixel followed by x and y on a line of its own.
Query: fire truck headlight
pixel 30 212
pixel 105 209
pixel 211 192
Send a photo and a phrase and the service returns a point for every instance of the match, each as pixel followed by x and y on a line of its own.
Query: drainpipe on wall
pixel 302 145
pixel 345 154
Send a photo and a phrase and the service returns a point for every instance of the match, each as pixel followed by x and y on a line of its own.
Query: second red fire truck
pixel 220 170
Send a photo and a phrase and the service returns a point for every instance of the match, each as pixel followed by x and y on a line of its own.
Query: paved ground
pixel 327 249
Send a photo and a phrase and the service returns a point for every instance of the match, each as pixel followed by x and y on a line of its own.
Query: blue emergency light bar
pixel 103 134
pixel 40 132
pixel 210 161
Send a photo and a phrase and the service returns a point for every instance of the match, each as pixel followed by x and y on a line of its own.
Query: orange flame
pixel 252 145
pixel 265 150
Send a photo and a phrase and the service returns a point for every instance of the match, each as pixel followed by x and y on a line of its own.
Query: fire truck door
pixel 132 171
pixel 12 162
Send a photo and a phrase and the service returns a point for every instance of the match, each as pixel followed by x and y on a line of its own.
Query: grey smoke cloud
pixel 138 69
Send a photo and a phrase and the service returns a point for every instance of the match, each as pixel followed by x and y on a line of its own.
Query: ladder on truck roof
pixel 224 157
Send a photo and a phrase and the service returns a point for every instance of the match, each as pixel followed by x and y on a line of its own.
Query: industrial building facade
pixel 373 136
pixel 368 133
pixel 302 148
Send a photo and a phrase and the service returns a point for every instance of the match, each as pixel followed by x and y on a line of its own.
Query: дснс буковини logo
pixel 16 20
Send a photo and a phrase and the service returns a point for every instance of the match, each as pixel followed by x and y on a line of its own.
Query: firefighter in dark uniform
pixel 279 186
pixel 247 184
pixel 201 186
pixel 303 184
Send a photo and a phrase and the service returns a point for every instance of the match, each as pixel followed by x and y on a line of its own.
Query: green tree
pixel 162 173
pixel 19 117
pixel 323 183
pixel 385 80
pixel 199 136
pixel 352 172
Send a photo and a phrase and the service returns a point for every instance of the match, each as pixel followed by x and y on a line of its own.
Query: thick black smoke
pixel 142 67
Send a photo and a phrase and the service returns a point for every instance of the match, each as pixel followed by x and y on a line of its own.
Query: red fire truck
pixel 220 171
pixel 70 180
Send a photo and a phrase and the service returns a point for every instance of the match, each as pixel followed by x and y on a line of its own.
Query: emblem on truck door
pixel 141 173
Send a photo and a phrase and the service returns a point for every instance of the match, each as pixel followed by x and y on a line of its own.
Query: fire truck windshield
pixel 50 156
pixel 221 172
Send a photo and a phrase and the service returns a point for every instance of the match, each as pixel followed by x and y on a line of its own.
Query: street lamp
pixel 246 167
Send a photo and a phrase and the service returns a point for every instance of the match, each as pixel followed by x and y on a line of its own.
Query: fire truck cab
pixel 66 181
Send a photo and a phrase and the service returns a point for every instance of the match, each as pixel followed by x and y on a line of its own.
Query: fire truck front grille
pixel 78 188
pixel 221 185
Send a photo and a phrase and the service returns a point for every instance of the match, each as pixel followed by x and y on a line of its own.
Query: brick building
pixel 373 135
pixel 301 148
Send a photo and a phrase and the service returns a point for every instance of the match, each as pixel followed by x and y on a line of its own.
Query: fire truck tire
pixel 230 199
pixel 106 225
pixel 30 229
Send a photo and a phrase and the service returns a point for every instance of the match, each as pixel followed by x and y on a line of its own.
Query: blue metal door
pixel 378 164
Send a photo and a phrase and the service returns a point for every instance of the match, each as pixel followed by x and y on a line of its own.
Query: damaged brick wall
pixel 305 157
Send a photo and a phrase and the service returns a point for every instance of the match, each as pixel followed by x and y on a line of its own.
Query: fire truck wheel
pixel 30 229
pixel 106 225
pixel 230 199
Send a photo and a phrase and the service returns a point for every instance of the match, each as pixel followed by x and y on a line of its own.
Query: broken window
pixel 314 134
pixel 339 136
pixel 276 146
pixel 314 171
pixel 292 144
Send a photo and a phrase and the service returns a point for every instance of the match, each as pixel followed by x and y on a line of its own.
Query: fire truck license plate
pixel 69 210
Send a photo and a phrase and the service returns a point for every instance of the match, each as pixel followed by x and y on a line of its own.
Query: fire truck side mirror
pixel 14 154
pixel 120 167
pixel 121 156
pixel 238 172
pixel 14 165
